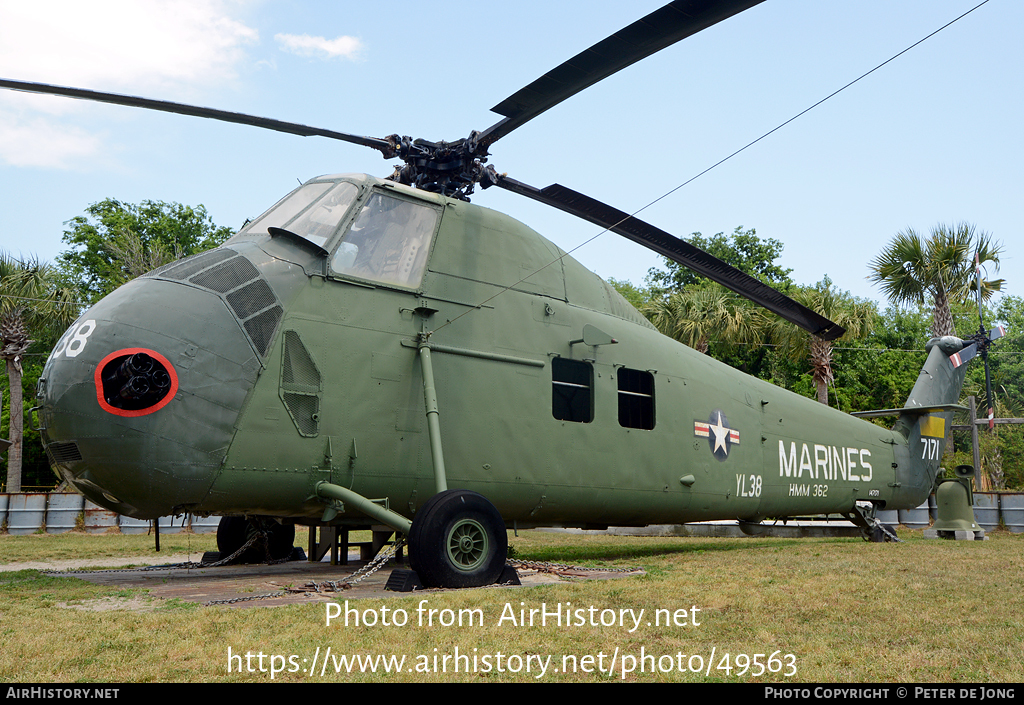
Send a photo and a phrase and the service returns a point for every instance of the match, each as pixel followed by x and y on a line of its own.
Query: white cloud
pixel 121 43
pixel 319 47
pixel 169 49
pixel 40 142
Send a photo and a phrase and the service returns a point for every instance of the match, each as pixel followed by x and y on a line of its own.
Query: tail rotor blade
pixel 964 355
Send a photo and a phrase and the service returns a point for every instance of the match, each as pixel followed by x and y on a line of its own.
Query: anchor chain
pixel 353 579
pixel 872 524
pixel 887 531
pixel 187 565
pixel 548 567
pixel 357 576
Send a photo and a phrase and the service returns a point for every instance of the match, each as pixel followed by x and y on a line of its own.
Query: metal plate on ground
pixel 237 585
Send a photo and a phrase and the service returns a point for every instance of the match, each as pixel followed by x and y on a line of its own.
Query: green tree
pixel 637 296
pixel 742 249
pixel 913 268
pixel 747 252
pixel 115 242
pixel 31 299
pixel 856 316
pixel 699 314
pixel 879 370
pixel 1007 355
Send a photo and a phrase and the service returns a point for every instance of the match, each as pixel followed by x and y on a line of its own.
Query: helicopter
pixel 383 351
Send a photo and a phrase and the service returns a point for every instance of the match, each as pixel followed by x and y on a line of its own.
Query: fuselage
pixel 291 360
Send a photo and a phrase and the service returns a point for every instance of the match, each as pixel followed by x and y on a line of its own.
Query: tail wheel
pixel 458 539
pixel 883 533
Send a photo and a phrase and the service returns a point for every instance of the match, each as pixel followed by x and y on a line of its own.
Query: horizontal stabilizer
pixel 909 410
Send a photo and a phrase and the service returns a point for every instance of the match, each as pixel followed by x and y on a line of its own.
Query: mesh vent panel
pixel 190 265
pixel 303 408
pixel 251 299
pixel 63 452
pixel 300 385
pixel 297 368
pixel 227 276
pixel 261 328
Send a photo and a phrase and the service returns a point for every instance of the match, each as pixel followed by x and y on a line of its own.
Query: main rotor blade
pixel 664 27
pixel 679 251
pixel 196 111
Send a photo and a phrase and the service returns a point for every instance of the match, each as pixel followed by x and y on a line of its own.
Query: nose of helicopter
pixel 138 401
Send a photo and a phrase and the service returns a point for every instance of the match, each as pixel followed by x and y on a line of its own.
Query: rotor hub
pixel 450 168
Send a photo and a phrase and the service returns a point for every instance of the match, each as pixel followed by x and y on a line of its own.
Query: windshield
pixel 388 242
pixel 313 211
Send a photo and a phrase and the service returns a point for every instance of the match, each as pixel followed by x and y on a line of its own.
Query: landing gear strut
pixel 873 530
pixel 458 539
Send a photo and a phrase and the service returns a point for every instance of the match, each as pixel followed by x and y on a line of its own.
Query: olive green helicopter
pixel 382 352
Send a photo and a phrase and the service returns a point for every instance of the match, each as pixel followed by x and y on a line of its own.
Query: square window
pixel 636 399
pixel 572 384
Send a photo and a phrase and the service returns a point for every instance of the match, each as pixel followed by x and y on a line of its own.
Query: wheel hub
pixel 467 545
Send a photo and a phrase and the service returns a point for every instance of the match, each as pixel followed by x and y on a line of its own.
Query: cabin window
pixel 636 399
pixel 388 242
pixel 312 212
pixel 572 385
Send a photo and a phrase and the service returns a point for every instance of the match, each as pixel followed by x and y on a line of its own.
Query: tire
pixel 231 535
pixel 235 531
pixel 458 540
pixel 281 539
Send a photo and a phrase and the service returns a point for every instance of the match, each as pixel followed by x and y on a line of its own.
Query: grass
pixel 74 545
pixel 848 611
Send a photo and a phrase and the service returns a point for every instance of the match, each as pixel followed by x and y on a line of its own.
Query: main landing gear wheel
pixel 458 540
pixel 233 533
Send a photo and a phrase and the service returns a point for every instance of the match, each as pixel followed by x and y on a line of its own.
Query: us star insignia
pixel 720 436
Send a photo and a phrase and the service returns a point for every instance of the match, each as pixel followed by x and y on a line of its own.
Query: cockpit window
pixel 318 223
pixel 388 242
pixel 312 212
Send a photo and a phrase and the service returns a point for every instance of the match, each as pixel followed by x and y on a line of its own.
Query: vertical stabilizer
pixel 926 418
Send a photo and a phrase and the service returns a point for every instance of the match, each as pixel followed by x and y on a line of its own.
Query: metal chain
pixel 358 576
pixel 346 583
pixel 888 532
pixel 258 534
pixel 548 567
pixel 187 565
pixel 875 523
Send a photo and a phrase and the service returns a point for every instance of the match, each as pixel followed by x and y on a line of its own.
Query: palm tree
pixel 857 317
pixel 698 314
pixel 940 266
pixel 30 299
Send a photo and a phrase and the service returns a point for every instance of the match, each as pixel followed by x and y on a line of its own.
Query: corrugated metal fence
pixel 28 512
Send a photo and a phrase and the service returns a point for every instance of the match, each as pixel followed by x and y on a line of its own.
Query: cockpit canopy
pixel 385 240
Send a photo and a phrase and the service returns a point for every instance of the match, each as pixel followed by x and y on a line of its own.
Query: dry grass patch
pixel 76 545
pixel 922 611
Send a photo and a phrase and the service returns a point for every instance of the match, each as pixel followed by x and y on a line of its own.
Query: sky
pixel 932 137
